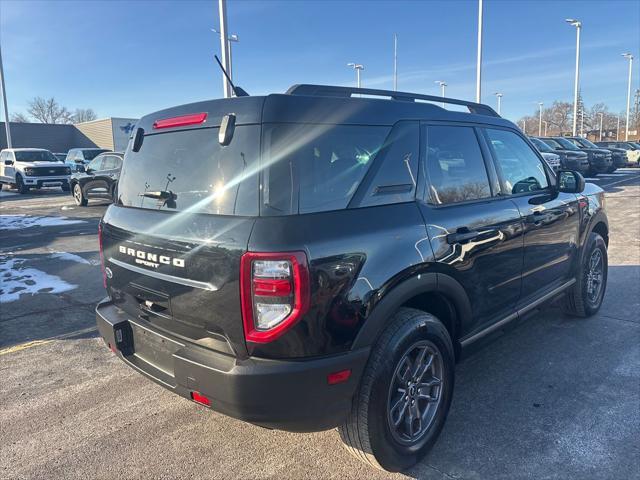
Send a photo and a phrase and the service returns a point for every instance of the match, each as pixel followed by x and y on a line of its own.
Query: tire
pixel 20 186
pixel 367 432
pixel 66 187
pixel 581 300
pixel 78 196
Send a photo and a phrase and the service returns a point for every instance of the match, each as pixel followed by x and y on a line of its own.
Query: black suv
pixel 569 159
pixel 322 258
pixel 98 180
pixel 600 159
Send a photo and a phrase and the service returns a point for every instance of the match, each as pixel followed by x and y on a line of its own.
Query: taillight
pixel 181 121
pixel 104 273
pixel 274 293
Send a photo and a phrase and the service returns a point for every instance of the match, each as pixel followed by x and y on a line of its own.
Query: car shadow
pixel 553 397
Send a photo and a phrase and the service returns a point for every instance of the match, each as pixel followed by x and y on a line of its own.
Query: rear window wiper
pixel 160 195
pixel 164 197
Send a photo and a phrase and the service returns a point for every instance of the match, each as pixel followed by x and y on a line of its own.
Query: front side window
pixel 455 167
pixel 522 170
pixel 96 164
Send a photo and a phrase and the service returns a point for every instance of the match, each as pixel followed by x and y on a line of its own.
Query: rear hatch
pixel 185 209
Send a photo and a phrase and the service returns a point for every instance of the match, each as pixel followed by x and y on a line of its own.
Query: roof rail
pixel 335 91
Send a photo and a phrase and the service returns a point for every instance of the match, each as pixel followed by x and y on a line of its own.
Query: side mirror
pixel 570 181
pixel 88 170
pixel 8 162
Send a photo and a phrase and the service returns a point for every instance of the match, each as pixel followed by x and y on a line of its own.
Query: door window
pixel 111 162
pixel 522 170
pixel 455 168
pixel 96 164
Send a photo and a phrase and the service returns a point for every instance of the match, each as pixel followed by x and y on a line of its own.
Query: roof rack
pixel 334 91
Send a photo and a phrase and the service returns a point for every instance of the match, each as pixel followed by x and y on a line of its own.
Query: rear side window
pixel 189 170
pixel 393 174
pixel 315 168
pixel 522 170
pixel 455 167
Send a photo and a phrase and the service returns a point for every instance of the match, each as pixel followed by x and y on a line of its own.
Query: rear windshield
pixel 35 156
pixel 190 171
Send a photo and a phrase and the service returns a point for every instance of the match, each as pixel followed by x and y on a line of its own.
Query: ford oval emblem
pixel 108 273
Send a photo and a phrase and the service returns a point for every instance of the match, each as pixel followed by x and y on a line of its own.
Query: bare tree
pixel 19 118
pixel 84 115
pixel 49 111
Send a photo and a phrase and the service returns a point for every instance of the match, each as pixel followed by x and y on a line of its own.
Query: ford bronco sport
pixel 321 258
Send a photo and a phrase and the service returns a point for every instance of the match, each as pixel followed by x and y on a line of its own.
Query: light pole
pixel 524 126
pixel 578 26
pixel 443 86
pixel 601 115
pixel 357 67
pixel 499 96
pixel 231 38
pixel 540 104
pixel 546 124
pixel 629 57
pixel 479 56
pixel 7 126
pixel 224 47
pixel 618 129
pixel 395 62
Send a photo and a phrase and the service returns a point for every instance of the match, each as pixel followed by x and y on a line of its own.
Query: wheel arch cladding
pixel 602 229
pixel 434 293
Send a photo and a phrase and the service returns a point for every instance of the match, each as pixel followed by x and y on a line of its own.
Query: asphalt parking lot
pixel 554 397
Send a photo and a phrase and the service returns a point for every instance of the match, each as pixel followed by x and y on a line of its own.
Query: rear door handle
pixel 462 236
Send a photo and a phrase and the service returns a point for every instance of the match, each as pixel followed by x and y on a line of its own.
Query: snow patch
pixel 71 258
pixel 19 222
pixel 16 280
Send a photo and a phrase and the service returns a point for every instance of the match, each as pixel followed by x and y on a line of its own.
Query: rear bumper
pixel 291 395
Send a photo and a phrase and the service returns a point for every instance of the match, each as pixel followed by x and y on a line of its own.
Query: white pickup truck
pixel 27 168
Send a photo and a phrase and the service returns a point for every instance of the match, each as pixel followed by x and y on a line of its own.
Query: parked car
pixel 601 159
pixel 99 179
pixel 27 168
pixel 62 157
pixel 631 149
pixel 599 162
pixel 552 158
pixel 570 158
pixel 80 157
pixel 618 155
pixel 305 262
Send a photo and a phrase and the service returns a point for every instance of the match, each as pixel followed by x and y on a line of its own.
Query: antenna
pixel 239 92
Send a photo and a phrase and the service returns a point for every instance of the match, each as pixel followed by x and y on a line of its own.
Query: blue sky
pixel 128 58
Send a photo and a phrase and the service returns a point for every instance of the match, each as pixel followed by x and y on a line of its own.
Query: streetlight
pixel 629 57
pixel 443 86
pixel 578 25
pixel 231 38
pixel 357 67
pixel 224 48
pixel 479 56
pixel 7 126
pixel 601 115
pixel 540 104
pixel 499 95
pixel 524 126
pixel 546 124
pixel 618 130
pixel 395 62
